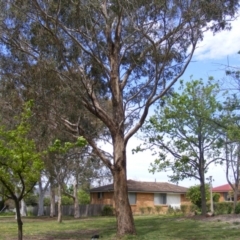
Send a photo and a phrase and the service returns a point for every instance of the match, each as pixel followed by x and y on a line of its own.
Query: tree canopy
pixel 183 134
pixel 116 58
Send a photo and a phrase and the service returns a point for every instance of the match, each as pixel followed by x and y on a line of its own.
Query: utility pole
pixel 211 195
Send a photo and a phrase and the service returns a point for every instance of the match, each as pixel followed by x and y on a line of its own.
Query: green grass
pixel 148 227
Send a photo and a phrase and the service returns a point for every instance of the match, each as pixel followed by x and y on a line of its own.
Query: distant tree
pixel 183 136
pixel 20 163
pixel 117 58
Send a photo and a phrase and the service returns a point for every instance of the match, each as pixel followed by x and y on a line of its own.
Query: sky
pixel 211 57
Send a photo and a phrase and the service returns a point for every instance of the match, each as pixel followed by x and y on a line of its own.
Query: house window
pixel 132 198
pixel 100 195
pixel 228 196
pixel 160 198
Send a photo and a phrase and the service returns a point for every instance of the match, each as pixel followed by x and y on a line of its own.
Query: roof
pixel 149 187
pixel 222 188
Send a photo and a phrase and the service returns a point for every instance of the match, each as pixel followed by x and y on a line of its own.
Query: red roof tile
pixel 222 188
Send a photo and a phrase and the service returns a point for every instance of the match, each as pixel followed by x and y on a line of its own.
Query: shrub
pixel 31 200
pixel 149 209
pixel 184 208
pixel 158 209
pixel 170 210
pixel 223 207
pixel 194 194
pixel 216 197
pixel 67 200
pixel 194 208
pixel 142 210
pixel 107 210
pixel 237 208
pixel 46 201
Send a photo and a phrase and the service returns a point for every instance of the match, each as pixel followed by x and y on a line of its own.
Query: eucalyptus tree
pixel 183 136
pixel 116 57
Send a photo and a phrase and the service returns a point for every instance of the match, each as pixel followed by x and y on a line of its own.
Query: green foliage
pixel 83 197
pixel 46 201
pixel 67 200
pixel 216 197
pixel 61 148
pixel 182 134
pixel 31 199
pixel 20 163
pixel 223 208
pixel 194 194
pixel 237 208
pixel 107 211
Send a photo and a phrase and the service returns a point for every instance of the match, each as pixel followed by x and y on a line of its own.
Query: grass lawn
pixel 148 227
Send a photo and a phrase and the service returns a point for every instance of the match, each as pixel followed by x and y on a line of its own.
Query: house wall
pixel 107 198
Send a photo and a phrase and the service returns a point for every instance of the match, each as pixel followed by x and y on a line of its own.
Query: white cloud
pixel 220 45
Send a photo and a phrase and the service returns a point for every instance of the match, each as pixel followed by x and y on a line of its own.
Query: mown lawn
pixel 148 227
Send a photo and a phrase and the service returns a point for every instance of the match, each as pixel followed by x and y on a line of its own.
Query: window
pixel 132 198
pixel 160 198
pixel 100 195
pixel 228 196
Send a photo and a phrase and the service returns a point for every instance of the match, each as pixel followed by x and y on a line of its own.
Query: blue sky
pixel 212 56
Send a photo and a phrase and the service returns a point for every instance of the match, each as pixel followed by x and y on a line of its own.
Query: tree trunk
pixel 42 192
pixel 235 196
pixel 23 210
pixel 59 203
pixel 203 198
pixel 41 203
pixel 125 222
pixel 76 203
pixel 19 220
pixel 52 202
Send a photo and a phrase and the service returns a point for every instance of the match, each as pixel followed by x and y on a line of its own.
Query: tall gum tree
pixel 133 51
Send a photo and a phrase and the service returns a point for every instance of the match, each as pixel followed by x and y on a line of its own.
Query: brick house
pixel 143 195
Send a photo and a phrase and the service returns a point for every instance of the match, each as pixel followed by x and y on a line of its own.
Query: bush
pixel 31 200
pixel 46 201
pixel 67 200
pixel 149 209
pixel 158 209
pixel 107 210
pixel 194 194
pixel 194 208
pixel 216 197
pixel 83 197
pixel 184 208
pixel 237 208
pixel 142 210
pixel 223 207
pixel 170 210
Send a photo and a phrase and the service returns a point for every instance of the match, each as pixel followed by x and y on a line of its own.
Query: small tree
pixel 20 163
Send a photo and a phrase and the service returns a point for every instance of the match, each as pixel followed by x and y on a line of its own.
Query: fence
pixel 68 210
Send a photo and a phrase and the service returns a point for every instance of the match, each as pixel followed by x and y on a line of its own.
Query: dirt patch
pixel 230 218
